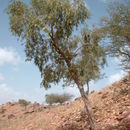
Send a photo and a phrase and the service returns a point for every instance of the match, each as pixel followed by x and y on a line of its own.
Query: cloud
pixel 1 77
pixel 116 77
pixel 10 56
pixel 7 93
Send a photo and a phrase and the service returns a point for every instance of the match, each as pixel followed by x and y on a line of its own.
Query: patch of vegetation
pixel 47 27
pixel 57 98
pixel 2 110
pixel 23 103
pixel 116 28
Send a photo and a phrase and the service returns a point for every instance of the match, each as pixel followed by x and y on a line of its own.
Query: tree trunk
pixel 88 109
pixel 73 73
pixel 87 88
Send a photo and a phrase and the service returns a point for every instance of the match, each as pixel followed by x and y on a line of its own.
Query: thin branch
pixel 75 53
pixel 67 60
pixel 124 53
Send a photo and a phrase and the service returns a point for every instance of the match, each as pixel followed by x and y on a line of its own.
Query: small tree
pixel 24 103
pixel 47 27
pixel 116 29
pixel 57 98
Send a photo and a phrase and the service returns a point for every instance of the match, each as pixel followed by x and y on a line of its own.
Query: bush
pixel 57 98
pixel 2 110
pixel 23 103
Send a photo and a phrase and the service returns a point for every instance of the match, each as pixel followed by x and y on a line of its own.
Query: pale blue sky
pixel 20 79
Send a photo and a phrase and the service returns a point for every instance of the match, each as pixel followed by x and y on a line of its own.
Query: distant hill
pixel 111 107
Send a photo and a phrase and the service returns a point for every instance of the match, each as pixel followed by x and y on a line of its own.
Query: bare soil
pixel 111 107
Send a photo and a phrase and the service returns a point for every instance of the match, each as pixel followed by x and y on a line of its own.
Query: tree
pixel 116 29
pixel 47 27
pixel 57 98
pixel 92 57
pixel 23 103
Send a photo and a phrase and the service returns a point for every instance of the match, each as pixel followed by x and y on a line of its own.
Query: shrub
pixel 57 98
pixel 23 103
pixel 2 110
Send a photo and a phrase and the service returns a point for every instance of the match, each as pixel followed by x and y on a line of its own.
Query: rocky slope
pixel 111 107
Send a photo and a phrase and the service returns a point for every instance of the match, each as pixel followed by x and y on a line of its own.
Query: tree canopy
pixel 44 22
pixel 116 28
pixel 50 30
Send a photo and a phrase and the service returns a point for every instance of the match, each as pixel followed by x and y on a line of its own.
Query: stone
pixel 11 116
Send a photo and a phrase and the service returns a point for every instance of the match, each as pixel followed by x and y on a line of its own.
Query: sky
pixel 21 80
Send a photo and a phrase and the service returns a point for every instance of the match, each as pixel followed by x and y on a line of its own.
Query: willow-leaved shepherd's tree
pixel 47 28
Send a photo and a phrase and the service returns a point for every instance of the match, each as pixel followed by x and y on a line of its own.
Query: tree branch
pixel 67 60
pixel 75 53
pixel 124 53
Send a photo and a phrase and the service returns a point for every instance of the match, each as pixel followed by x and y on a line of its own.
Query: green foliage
pixel 56 98
pixel 23 103
pixel 41 21
pixel 116 28
pixel 92 56
pixel 47 26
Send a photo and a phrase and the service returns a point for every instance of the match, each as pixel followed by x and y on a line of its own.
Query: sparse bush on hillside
pixel 2 110
pixel 23 103
pixel 57 98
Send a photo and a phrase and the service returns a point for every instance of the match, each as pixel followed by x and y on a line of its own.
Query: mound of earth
pixel 111 107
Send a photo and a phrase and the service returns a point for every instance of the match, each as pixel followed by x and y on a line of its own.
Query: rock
pixel 124 115
pixel 126 122
pixel 3 115
pixel 93 91
pixel 39 109
pixel 77 98
pixel 11 116
pixel 104 96
pixel 100 92
pixel 28 111
pixel 45 107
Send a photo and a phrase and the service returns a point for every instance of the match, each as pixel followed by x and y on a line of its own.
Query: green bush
pixel 23 103
pixel 57 98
